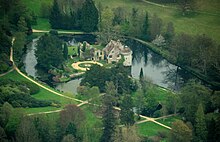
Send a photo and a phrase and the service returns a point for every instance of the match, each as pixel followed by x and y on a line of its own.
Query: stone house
pixel 114 51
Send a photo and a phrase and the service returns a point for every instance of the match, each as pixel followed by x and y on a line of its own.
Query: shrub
pixel 34 89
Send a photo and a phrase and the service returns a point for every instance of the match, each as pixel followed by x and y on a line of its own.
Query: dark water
pixel 30 60
pixel 155 68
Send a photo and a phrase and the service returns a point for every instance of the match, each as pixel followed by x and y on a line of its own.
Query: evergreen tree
pixel 49 52
pixel 200 125
pixel 55 16
pixel 211 130
pixel 78 50
pixel 109 120
pixel 71 129
pixel 217 130
pixel 89 16
pixel 65 51
pixel 22 25
pixel 127 114
pixel 145 26
pixel 141 75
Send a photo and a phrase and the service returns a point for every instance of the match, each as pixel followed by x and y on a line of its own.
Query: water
pixel 155 68
pixel 30 60
pixel 157 73
pixel 69 87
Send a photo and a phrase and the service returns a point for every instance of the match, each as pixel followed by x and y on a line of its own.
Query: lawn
pixel 169 121
pixel 200 23
pixel 72 50
pixel 41 95
pixel 205 21
pixel 42 24
pixel 35 5
pixel 150 129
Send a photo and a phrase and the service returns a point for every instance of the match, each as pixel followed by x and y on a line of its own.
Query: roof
pixel 111 45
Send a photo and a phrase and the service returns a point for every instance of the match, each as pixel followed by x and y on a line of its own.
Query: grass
pixel 161 94
pixel 150 129
pixel 169 121
pixel 200 23
pixel 205 22
pixel 35 5
pixel 41 95
pixel 42 24
pixel 72 50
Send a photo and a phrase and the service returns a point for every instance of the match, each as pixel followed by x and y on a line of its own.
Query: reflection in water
pixel 70 87
pixel 154 66
pixel 30 60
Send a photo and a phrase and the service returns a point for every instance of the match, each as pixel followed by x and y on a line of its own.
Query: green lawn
pixel 41 95
pixel 169 121
pixel 35 5
pixel 72 50
pixel 205 22
pixel 201 23
pixel 150 129
pixel 42 24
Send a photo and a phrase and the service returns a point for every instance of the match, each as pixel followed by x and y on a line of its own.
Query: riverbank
pixel 214 85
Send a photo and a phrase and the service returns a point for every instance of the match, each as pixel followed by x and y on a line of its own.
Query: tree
pixel 18 45
pixel 146 26
pixel 106 25
pixel 192 94
pixel 119 16
pixel 65 51
pixel 136 22
pixel 170 32
pixel 127 113
pixel 71 129
pixel 26 131
pixel 6 111
pixel 128 134
pixel 180 132
pixel 71 114
pixel 112 91
pixel 68 138
pixel 155 26
pixel 200 125
pixel 90 16
pixel 44 126
pixel 22 25
pixel 49 53
pixel 181 49
pixel 100 9
pixel 55 15
pixel 186 6
pixel 13 122
pixel 211 127
pixel 173 102
pixel 217 129
pixel 3 135
pixel 141 75
pixel 108 119
pixel 139 102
